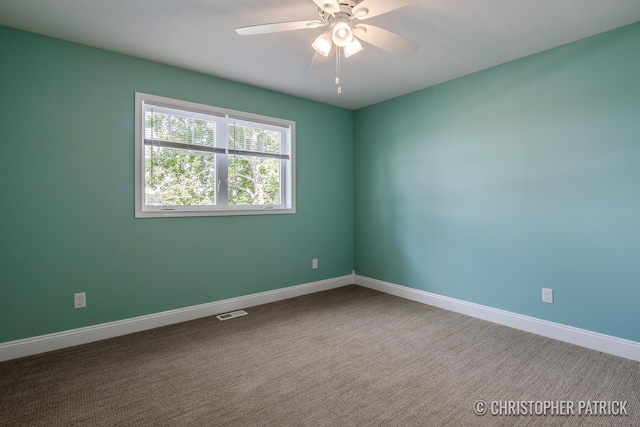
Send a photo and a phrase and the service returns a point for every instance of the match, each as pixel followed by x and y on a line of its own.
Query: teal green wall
pixel 67 204
pixel 486 189
pixel 495 185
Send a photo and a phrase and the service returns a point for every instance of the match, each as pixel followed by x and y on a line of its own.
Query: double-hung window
pixel 198 160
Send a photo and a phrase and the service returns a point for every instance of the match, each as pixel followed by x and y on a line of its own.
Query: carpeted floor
pixel 345 357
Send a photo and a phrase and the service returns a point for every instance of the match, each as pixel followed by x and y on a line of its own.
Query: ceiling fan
pixel 345 30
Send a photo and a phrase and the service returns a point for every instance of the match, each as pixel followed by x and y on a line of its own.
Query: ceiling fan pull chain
pixel 338 69
pixel 337 65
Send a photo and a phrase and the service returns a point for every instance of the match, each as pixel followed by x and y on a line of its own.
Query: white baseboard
pixel 582 337
pixel 43 343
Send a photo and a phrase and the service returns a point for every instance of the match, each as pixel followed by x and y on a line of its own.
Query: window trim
pixel 287 174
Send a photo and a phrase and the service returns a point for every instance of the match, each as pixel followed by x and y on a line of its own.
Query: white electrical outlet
pixel 80 300
pixel 547 295
pixel 314 263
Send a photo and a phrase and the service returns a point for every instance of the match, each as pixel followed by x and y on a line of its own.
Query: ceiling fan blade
pixel 320 61
pixel 384 39
pixel 378 7
pixel 278 27
pixel 322 4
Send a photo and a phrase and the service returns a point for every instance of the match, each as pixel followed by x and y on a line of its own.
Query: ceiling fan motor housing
pixel 328 13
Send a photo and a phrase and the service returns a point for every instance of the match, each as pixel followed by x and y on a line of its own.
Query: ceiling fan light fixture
pixel 342 34
pixel 359 31
pixel 322 43
pixel 329 8
pixel 361 13
pixel 352 48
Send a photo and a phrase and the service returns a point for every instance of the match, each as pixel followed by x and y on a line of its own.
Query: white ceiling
pixel 456 37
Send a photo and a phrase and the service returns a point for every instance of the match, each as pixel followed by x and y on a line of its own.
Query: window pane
pixel 179 177
pixel 176 128
pixel 181 129
pixel 272 143
pixel 204 133
pixel 254 139
pixel 254 180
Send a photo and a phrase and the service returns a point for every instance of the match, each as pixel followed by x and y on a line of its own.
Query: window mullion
pixel 284 178
pixel 222 164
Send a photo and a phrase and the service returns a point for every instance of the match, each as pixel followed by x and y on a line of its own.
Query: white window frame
pixel 287 173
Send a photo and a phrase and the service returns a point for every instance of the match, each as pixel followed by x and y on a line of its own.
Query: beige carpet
pixel 345 357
